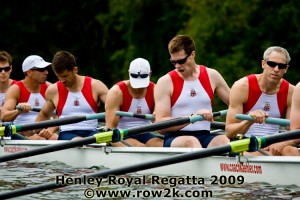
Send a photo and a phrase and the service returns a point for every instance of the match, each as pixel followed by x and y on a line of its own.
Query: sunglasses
pixel 139 75
pixel 39 69
pixel 181 61
pixel 274 64
pixel 6 69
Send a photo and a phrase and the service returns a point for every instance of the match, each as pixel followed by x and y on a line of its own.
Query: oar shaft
pixel 127 169
pixel 157 126
pixel 168 123
pixel 151 117
pixel 50 123
pixel 130 114
pixel 218 125
pixel 269 120
pixel 278 137
pixel 58 122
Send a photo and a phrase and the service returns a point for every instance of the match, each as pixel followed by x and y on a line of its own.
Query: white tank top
pixel 193 97
pixel 75 105
pixel 267 103
pixel 138 106
pixel 35 100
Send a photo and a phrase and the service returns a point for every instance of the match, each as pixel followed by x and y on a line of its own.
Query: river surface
pixel 15 175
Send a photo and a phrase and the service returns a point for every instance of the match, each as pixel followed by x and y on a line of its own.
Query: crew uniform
pixel 144 105
pixel 34 99
pixel 76 104
pixel 187 98
pixel 274 105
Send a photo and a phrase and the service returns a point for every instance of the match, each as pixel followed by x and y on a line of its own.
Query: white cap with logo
pixel 34 61
pixel 139 73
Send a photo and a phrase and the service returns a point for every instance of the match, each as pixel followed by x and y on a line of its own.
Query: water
pixel 15 175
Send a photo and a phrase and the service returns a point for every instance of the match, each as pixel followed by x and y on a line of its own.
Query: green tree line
pixel 105 35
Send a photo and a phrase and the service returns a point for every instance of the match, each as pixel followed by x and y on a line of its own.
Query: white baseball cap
pixel 34 61
pixel 139 73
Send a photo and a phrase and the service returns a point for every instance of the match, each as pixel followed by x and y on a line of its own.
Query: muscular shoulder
pixel 212 73
pixel 99 86
pixel 13 90
pixel 166 79
pixel 241 84
pixel 52 89
pixel 164 83
pixel 48 83
pixel 115 91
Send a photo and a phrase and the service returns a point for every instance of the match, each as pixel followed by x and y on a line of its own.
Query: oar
pixel 131 114
pixel 234 147
pixel 12 129
pixel 269 120
pixel 34 109
pixel 219 125
pixel 110 136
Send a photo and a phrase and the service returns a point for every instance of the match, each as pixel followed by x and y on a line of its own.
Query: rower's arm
pixel 9 111
pixel 114 100
pixel 162 98
pixel 219 85
pixel 100 89
pixel 238 95
pixel 295 110
pixel 47 111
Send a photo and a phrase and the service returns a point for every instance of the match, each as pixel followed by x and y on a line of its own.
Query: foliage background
pixel 105 35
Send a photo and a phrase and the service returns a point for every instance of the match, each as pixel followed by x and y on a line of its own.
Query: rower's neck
pixel 4 85
pixel 267 86
pixel 31 85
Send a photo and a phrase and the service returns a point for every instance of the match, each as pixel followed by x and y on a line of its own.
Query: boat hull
pixel 221 169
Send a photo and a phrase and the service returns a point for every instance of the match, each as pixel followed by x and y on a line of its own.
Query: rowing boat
pixel 222 169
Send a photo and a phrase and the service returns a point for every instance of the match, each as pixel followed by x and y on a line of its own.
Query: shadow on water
pixel 15 175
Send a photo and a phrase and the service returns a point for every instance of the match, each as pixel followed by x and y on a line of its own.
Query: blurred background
pixel 106 35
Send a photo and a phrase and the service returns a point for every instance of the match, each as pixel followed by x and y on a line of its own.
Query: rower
pixel 261 96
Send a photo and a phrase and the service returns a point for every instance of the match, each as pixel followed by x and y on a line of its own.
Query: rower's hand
pixel 24 107
pixel 276 149
pixel 259 116
pixel 206 114
pixel 46 133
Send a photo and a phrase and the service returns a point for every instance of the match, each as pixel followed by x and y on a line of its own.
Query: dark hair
pixel 181 42
pixel 5 57
pixel 62 61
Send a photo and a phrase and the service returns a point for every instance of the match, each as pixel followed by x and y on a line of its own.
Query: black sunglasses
pixel 39 69
pixel 274 64
pixel 6 69
pixel 181 61
pixel 139 75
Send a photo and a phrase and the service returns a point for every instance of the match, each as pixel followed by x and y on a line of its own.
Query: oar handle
pixel 196 118
pixel 95 116
pixel 269 120
pixel 130 114
pixel 34 109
